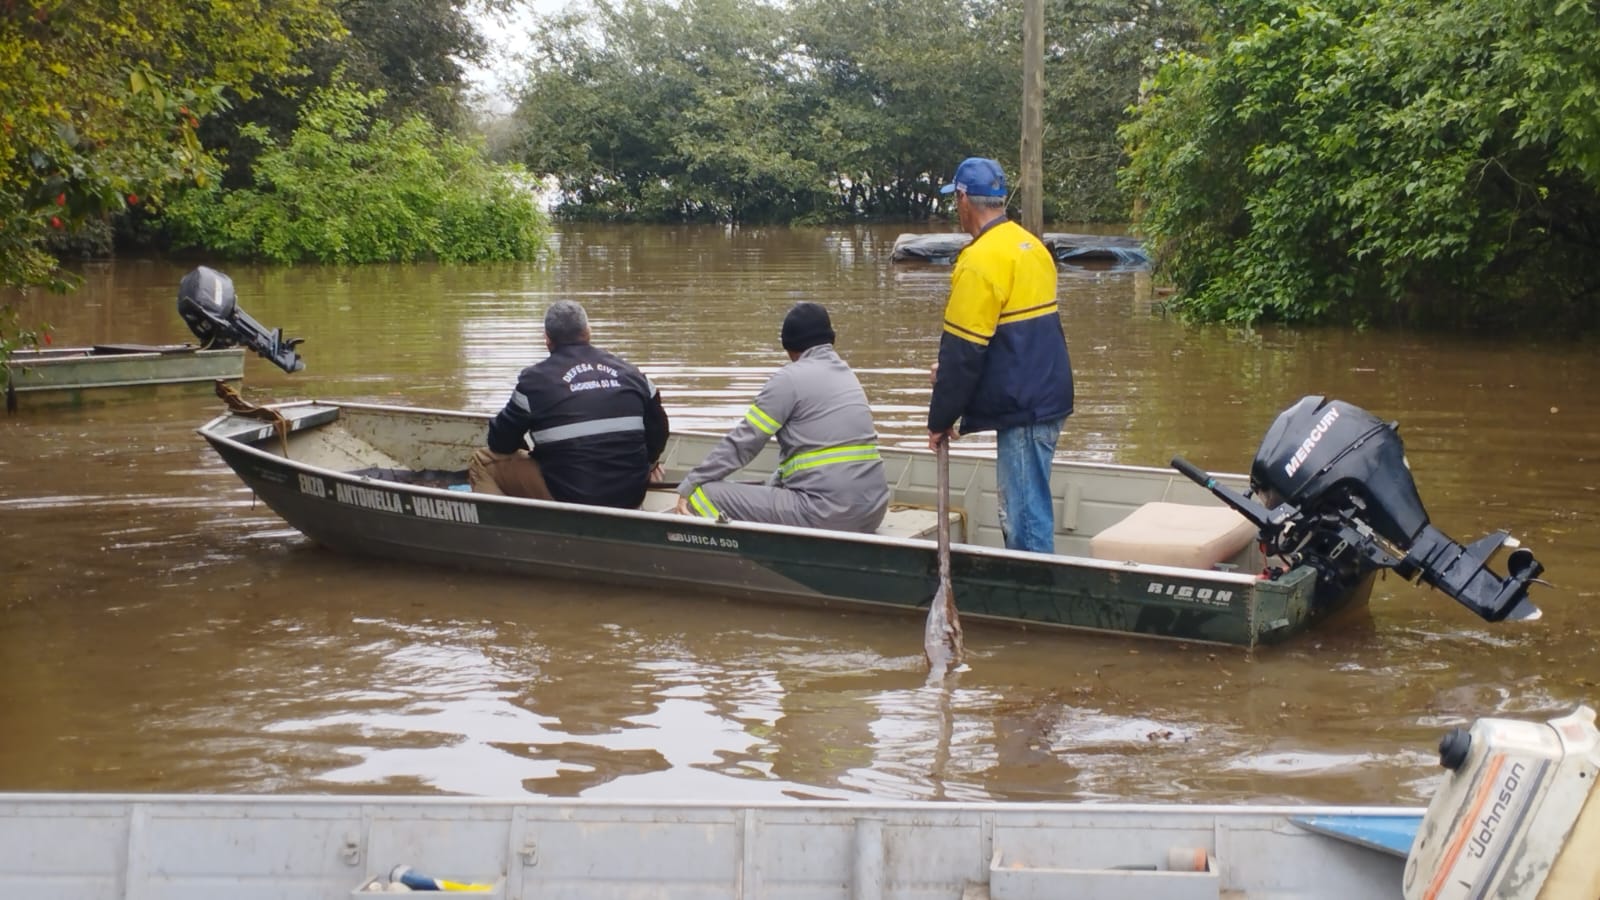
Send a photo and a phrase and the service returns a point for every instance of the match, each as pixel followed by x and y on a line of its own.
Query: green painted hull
pixel 85 375
pixel 314 491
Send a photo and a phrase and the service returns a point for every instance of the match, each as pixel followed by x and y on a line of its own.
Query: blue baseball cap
pixel 978 177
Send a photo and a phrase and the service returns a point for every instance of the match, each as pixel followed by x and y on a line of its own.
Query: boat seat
pixel 659 500
pixel 918 522
pixel 1175 534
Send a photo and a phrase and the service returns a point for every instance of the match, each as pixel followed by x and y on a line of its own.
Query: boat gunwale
pixel 53 362
pixel 909 806
pixel 485 416
pixel 57 355
pixel 1249 580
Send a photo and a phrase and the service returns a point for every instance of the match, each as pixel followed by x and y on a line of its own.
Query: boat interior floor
pixel 446 479
pixel 901 520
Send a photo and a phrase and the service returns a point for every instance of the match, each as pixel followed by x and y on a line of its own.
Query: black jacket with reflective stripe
pixel 596 422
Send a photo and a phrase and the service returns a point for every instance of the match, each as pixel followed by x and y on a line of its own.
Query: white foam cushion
pixel 1175 534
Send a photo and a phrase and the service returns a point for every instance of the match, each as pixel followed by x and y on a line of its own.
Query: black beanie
pixel 806 326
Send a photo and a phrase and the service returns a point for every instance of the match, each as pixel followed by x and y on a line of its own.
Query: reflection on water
pixel 159 630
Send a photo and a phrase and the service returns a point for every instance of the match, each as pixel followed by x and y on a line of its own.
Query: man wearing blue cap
pixel 1003 363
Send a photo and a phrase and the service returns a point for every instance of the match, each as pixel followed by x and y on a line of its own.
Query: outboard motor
pixel 1335 493
pixel 1517 816
pixel 209 307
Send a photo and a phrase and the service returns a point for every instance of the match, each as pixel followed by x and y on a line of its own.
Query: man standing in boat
pixel 1003 363
pixel 830 474
pixel 597 424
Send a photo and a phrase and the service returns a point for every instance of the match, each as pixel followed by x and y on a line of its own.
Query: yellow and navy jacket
pixel 1002 358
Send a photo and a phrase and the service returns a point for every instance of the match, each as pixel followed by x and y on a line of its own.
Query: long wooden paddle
pixel 941 636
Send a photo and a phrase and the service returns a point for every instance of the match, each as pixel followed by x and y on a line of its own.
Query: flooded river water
pixel 159 631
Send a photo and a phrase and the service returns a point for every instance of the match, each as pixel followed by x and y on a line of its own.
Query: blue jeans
pixel 1022 474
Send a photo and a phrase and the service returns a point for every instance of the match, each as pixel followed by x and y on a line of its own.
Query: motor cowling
pixel 208 305
pixel 1344 470
pixel 1330 488
pixel 1320 453
pixel 1516 816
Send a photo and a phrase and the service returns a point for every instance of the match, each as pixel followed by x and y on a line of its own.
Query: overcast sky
pixel 508 37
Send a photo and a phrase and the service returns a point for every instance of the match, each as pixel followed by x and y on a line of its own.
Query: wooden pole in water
pixel 942 641
pixel 1031 180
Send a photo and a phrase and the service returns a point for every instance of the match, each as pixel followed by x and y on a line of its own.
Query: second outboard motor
pixel 207 303
pixel 1336 493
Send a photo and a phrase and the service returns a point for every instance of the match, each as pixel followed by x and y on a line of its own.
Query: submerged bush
pixel 351 188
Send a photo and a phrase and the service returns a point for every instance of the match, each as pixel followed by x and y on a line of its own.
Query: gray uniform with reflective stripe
pixel 831 475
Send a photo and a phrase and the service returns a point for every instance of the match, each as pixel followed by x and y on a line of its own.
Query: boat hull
pixel 108 846
pixel 84 375
pixel 365 515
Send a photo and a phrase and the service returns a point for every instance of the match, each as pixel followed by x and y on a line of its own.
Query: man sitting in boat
pixel 597 424
pixel 831 475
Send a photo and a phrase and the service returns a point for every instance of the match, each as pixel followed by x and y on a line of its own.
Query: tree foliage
pixel 739 110
pixel 1379 160
pixel 908 89
pixel 352 187
pixel 99 101
pixel 1097 53
pixel 632 106
pixel 413 52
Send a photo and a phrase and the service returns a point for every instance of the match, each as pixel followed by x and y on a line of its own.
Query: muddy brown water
pixel 159 631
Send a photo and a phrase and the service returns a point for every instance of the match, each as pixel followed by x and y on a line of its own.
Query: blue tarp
pixel 1387 834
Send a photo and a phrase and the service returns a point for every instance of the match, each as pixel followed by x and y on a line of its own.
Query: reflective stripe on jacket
pixel 1002 357
pixel 597 425
pixel 829 449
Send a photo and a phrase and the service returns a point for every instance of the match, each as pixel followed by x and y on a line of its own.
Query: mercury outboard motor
pixel 1335 493
pixel 208 306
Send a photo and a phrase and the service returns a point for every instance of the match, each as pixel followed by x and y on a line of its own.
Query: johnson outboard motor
pixel 1335 493
pixel 208 306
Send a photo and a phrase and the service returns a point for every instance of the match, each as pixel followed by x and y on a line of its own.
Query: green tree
pixel 1097 52
pixel 739 137
pixel 656 111
pixel 745 110
pixel 908 89
pixel 412 51
pixel 1378 161
pixel 99 101
pixel 733 110
pixel 351 187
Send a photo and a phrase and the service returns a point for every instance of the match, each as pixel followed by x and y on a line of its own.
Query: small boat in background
pixel 78 375
pixel 105 372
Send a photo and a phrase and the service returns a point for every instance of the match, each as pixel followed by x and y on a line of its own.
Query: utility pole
pixel 1031 183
